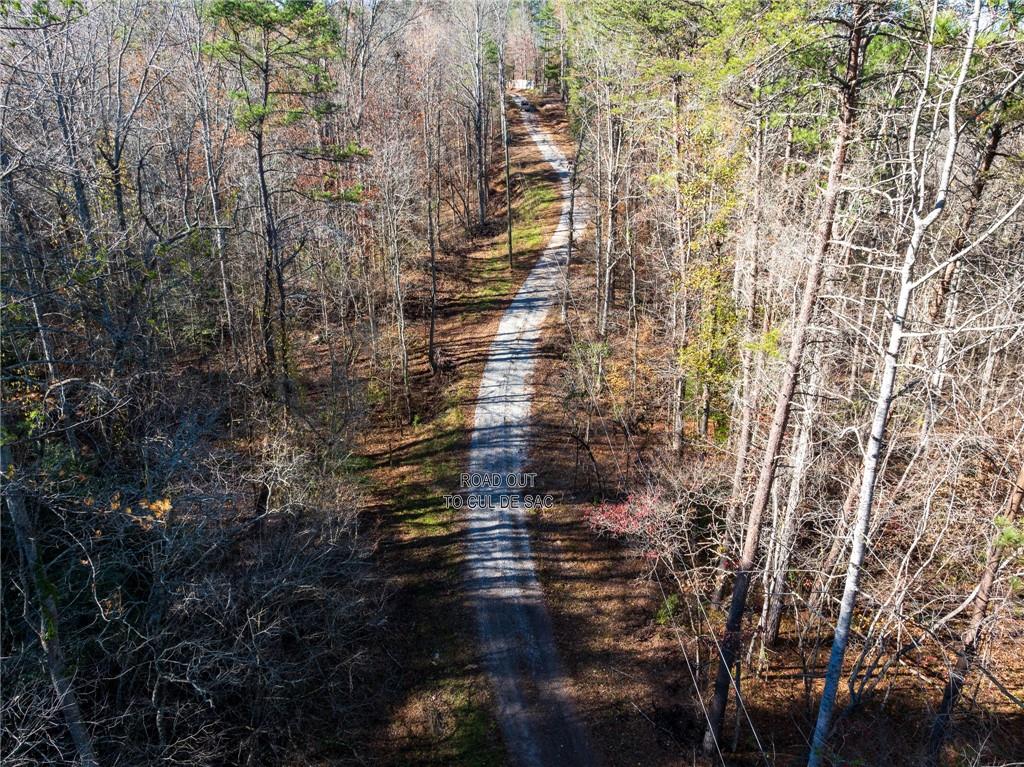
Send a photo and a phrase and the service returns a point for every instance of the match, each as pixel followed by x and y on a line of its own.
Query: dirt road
pixel 536 714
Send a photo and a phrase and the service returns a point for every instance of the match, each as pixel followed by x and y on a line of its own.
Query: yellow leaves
pixel 158 508
pixel 623 383
pixel 618 378
pixel 145 512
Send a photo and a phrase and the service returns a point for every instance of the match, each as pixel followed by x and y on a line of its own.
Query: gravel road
pixel 536 714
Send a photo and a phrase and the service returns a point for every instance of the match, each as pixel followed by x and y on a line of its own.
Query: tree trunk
pixel 563 59
pixel 886 391
pixel 213 184
pixel 504 146
pixel 48 628
pixel 273 268
pixel 572 227
pixel 790 518
pixel 432 206
pixel 784 399
pixel 478 112
pixel 748 393
pixel 396 268
pixel 679 317
pixel 705 411
pixel 946 298
pixel 24 251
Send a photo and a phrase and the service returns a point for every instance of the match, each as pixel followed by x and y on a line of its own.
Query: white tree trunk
pixel 886 390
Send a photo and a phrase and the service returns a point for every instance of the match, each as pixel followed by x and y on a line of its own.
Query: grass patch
pixel 476 741
pixel 419 499
pixel 495 280
pixel 440 471
pixel 530 217
pixel 355 463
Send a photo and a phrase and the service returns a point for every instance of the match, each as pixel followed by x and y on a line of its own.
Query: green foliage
pixel 249 116
pixel 38 13
pixel 353 193
pixel 343 152
pixel 545 22
pixel 548 29
pixel 737 34
pixel 668 610
pixel 376 392
pixel 34 420
pixel 588 354
pixel 768 344
pixel 490 51
pixel 1010 535
pixel 710 353
pixel 531 212
pixel 475 738
pixel 280 48
pixel 808 138
pixel 885 54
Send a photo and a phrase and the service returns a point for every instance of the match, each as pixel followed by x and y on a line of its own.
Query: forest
pixel 718 304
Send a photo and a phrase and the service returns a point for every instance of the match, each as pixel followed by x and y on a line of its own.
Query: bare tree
pixel 922 219
pixel 856 42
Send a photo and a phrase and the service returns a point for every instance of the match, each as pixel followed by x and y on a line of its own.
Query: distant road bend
pixel 537 716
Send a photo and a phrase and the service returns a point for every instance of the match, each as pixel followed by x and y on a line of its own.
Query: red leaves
pixel 644 517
